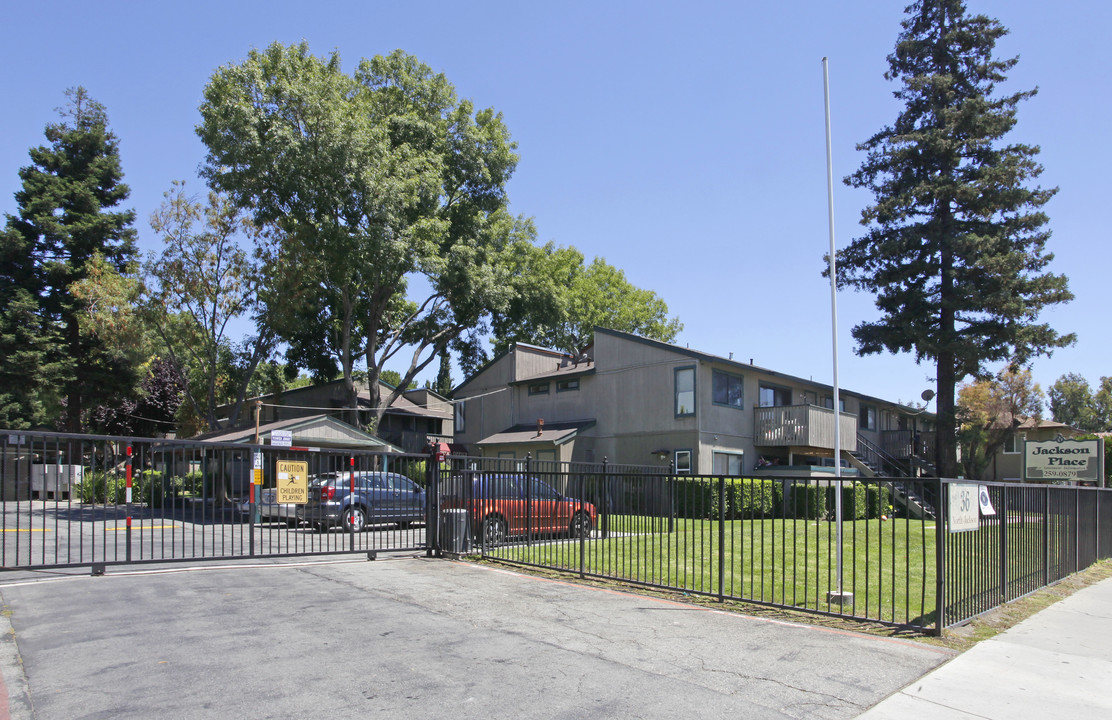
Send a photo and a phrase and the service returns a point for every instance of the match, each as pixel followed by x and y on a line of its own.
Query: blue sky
pixel 684 143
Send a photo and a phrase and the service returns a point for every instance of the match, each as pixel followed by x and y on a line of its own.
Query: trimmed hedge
pixel 751 498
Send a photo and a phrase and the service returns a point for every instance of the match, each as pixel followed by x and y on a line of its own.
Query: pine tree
pixel 444 376
pixel 955 247
pixel 65 224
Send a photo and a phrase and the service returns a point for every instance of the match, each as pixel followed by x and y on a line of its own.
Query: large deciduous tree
pixel 381 182
pixel 955 250
pixel 57 364
pixel 201 282
pixel 990 410
pixel 561 300
pixel 1074 403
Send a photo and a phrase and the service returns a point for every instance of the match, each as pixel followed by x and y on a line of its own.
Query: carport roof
pixel 314 431
pixel 556 433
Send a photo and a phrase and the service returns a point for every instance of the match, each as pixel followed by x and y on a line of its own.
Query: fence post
pixel 582 535
pixel 721 539
pixel 528 500
pixel 670 487
pixel 1046 535
pixel 607 495
pixel 351 499
pixel 1003 515
pixel 432 503
pixel 940 559
pixel 127 502
pixel 1076 528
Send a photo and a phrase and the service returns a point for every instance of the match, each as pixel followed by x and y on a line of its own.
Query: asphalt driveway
pixel 410 637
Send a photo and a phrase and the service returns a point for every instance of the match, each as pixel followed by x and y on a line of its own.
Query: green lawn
pixel 888 566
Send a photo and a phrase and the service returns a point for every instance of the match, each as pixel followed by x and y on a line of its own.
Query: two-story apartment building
pixel 639 401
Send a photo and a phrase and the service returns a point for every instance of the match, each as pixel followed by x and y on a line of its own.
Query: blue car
pixel 379 498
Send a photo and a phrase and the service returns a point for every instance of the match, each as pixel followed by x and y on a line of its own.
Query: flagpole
pixel 838 596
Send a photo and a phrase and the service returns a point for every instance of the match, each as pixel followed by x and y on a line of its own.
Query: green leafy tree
pixel 955 250
pixel 989 411
pixel 374 179
pixel 560 301
pixel 1074 403
pixel 66 230
pixel 201 282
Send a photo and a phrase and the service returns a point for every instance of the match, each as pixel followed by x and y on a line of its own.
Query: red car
pixel 502 506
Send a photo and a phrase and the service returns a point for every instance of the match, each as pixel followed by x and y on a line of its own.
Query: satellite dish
pixel 927 395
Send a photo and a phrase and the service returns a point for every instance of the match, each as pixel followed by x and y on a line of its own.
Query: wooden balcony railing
pixel 902 444
pixel 803 426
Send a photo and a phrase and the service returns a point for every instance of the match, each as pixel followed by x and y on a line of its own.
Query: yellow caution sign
pixel 258 479
pixel 293 482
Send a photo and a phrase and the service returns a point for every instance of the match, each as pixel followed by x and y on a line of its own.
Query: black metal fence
pixel 71 500
pixel 77 500
pixel 774 541
pixel 1036 536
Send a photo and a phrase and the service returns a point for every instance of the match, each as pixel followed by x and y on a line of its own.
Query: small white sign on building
pixel 281 438
pixel 965 509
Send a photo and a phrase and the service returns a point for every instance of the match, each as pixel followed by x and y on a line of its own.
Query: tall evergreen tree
pixel 443 384
pixel 64 227
pixel 955 250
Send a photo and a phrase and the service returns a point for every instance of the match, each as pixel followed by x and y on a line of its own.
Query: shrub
pixel 854 500
pixel 758 498
pixel 694 498
pixel 878 500
pixel 808 501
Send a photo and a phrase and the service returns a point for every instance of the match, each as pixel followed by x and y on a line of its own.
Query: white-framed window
pixel 461 416
pixel 726 389
pixel 538 388
pixel 1014 444
pixel 685 392
pixel 728 464
pixel 683 462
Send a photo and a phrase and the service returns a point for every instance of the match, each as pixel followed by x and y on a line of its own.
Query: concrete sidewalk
pixel 1055 664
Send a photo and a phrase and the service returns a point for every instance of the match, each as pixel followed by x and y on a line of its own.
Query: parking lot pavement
pixel 411 637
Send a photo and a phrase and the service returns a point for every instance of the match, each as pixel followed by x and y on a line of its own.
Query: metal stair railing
pixel 885 464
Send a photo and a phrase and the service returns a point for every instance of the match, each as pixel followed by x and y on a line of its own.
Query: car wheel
pixel 494 531
pixel 292 522
pixel 405 524
pixel 354 520
pixel 580 525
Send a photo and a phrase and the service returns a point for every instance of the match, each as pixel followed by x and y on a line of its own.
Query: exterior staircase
pixel 872 461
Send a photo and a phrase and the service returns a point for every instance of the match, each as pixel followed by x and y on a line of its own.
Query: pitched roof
pixel 556 433
pixel 312 431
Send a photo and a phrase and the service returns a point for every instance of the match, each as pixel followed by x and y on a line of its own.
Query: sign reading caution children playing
pixel 292 482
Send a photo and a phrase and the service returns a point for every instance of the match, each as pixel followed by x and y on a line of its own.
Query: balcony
pixel 903 444
pixel 802 426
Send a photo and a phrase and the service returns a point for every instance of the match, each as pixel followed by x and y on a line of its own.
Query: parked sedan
pixel 270 509
pixel 502 506
pixel 379 497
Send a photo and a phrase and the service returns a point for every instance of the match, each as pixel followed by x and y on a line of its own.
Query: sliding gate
pixel 81 500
